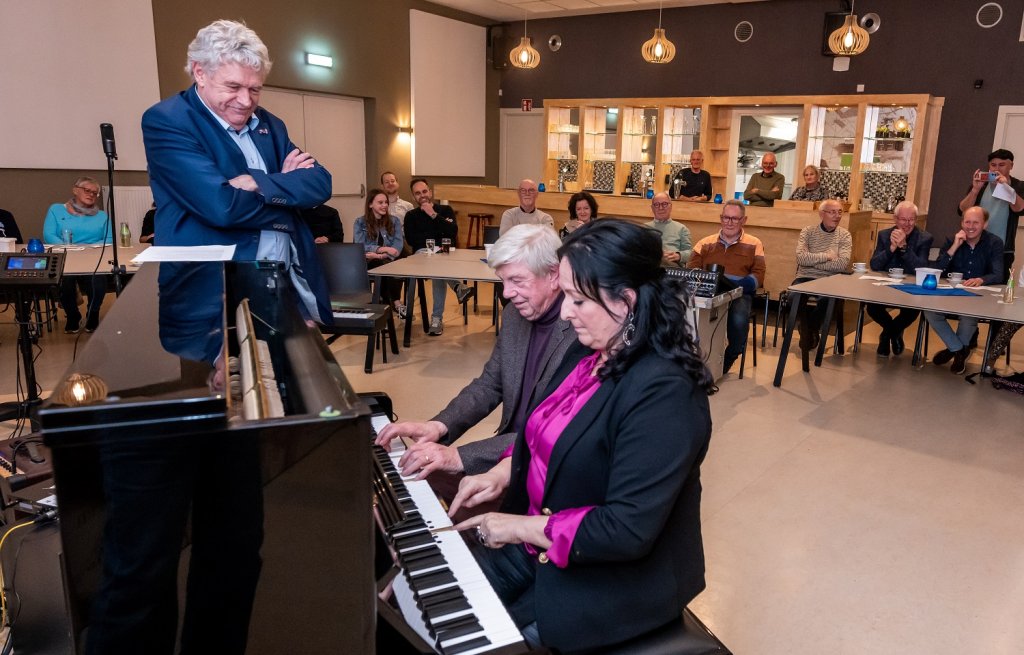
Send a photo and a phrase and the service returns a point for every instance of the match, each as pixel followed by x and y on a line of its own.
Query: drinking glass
pixel 67 237
pixel 430 246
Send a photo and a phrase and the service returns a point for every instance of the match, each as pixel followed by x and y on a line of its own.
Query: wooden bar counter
pixel 777 227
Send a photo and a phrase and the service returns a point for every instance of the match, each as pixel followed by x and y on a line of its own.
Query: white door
pixel 523 144
pixel 333 129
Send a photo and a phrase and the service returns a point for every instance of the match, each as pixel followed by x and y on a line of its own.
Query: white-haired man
pixel 532 342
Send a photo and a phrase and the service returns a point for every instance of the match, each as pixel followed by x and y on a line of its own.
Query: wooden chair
pixel 348 284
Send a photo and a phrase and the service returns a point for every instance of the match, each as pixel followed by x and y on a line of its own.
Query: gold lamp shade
pixel 850 39
pixel 524 55
pixel 82 389
pixel 658 49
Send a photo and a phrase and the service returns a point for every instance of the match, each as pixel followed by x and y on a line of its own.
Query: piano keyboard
pixel 452 603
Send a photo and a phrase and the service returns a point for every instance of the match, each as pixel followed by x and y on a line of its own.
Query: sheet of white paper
pixel 1005 192
pixel 185 254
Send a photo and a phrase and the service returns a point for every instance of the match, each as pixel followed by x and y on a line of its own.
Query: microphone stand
pixel 117 271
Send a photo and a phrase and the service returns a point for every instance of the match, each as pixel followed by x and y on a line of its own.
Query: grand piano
pixel 286 460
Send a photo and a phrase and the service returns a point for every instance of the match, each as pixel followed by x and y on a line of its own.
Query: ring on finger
pixel 481 536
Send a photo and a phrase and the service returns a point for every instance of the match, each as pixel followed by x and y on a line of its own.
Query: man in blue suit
pixel 223 170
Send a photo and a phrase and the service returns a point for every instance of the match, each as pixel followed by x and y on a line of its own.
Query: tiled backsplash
pixel 879 187
pixel 604 176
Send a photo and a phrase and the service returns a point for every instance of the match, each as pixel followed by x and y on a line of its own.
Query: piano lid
pixel 150 362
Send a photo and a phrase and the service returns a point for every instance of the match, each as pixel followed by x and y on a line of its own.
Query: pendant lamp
pixel 658 50
pixel 850 39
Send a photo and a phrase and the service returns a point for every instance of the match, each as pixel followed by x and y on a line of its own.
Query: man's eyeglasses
pixel 528 191
pixel 832 212
pixel 730 219
pixel 91 192
pixel 661 205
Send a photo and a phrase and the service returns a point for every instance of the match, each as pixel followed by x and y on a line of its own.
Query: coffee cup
pixel 7 244
pixel 860 267
pixel 956 278
pixel 896 272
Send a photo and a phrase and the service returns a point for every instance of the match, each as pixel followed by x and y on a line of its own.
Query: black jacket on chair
pixel 634 452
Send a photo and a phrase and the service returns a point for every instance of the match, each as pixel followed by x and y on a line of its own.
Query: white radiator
pixel 130 206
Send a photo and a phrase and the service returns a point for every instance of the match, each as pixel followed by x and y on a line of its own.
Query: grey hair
pixel 906 204
pixel 736 203
pixel 534 246
pixel 86 178
pixel 227 41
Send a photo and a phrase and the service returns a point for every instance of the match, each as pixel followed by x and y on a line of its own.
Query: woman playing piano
pixel 599 538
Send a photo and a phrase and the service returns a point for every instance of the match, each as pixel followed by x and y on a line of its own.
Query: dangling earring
pixel 630 331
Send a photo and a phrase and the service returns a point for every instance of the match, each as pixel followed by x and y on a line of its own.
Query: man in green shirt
pixel 675 237
pixel 765 188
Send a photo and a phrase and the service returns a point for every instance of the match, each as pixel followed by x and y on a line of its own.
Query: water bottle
pixel 126 236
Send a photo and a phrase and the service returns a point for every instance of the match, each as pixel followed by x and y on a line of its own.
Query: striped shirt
pixel 813 248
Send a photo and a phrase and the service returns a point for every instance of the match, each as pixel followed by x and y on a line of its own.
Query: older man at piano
pixel 532 342
pixel 599 539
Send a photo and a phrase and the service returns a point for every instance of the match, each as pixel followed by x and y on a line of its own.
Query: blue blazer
pixel 191 158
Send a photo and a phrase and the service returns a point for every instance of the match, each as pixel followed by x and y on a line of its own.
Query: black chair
pixel 759 296
pixel 348 284
pixel 686 636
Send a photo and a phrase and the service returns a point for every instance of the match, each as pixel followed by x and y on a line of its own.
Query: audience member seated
pixel 764 188
pixel 694 183
pixel 433 221
pixel 79 220
pixel 324 223
pixel 582 210
pixel 742 256
pixel 1003 216
pixel 9 227
pixel 526 212
pixel 397 206
pixel 599 537
pixel 675 237
pixel 978 254
pixel 901 246
pixel 821 250
pixel 148 230
pixel 812 189
pixel 528 349
pixel 381 236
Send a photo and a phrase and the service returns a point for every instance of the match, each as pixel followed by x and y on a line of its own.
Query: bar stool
pixel 477 222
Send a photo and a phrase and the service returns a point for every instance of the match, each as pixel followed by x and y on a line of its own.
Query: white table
pixel 986 305
pixel 460 264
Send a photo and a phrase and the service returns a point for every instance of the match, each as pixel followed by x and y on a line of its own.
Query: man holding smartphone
pixel 1003 215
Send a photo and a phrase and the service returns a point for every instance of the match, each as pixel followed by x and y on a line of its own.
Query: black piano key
pixel 458 631
pixel 465 619
pixel 418 565
pixel 418 539
pixel 435 579
pixel 451 624
pixel 439 596
pixel 422 553
pixel 446 608
pixel 466 645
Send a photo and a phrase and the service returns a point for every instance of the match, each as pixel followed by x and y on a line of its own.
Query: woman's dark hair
pixel 613 255
pixel 373 226
pixel 582 195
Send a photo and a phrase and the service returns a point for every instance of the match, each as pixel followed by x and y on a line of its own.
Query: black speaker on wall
pixel 498 46
pixel 833 21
